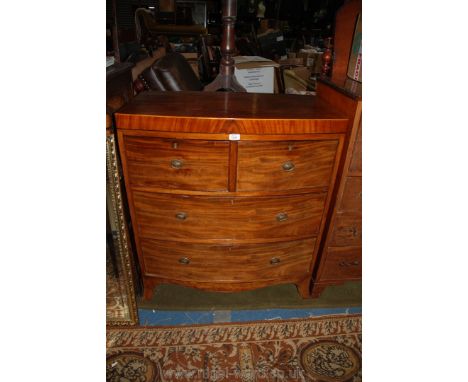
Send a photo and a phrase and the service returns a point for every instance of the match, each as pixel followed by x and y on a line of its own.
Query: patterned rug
pixel 116 298
pixel 319 349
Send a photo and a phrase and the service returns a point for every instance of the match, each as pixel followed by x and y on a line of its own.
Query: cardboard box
pixel 190 55
pixel 303 72
pixel 312 60
pixel 256 74
pixel 293 61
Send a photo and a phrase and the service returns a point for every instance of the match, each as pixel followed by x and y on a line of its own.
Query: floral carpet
pixel 320 349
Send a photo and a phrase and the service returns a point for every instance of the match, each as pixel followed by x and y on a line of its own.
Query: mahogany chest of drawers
pixel 230 191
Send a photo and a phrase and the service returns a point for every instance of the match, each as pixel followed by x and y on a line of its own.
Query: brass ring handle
pixel 181 215
pixel 288 166
pixel 355 262
pixel 274 260
pixel 184 260
pixel 177 163
pixel 282 216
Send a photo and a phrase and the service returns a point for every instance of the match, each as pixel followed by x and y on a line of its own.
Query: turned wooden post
pixel 225 80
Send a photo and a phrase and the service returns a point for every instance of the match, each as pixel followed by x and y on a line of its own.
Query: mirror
pixel 121 306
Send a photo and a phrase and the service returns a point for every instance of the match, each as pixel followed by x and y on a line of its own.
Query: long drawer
pixel 177 164
pixel 205 262
pixel 285 165
pixel 342 263
pixel 192 218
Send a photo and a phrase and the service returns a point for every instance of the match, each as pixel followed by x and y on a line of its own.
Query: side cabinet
pixel 340 255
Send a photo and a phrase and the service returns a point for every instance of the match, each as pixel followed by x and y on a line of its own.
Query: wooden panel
pixel 355 168
pixel 347 229
pixel 218 112
pixel 345 23
pixel 352 195
pixel 203 164
pixel 263 165
pixel 342 263
pixel 217 218
pixel 234 263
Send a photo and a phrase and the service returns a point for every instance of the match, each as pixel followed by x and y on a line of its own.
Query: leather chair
pixel 170 73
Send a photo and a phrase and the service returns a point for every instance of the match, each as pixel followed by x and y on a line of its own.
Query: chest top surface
pixel 221 112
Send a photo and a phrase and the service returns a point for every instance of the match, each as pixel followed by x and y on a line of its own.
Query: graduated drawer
pixel 342 263
pixel 347 229
pixel 177 164
pixel 205 262
pixel 285 165
pixel 188 218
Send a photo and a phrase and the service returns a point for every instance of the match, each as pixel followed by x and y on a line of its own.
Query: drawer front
pixel 352 195
pixel 180 217
pixel 177 164
pixel 347 229
pixel 356 160
pixel 285 165
pixel 204 262
pixel 342 263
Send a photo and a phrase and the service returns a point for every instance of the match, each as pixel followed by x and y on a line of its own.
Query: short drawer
pixel 177 164
pixel 285 165
pixel 187 218
pixel 347 229
pixel 204 262
pixel 342 263
pixel 351 200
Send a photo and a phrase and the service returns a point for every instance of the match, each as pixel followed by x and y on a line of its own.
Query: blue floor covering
pixel 150 317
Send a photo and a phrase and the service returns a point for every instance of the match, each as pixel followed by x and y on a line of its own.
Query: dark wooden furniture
pixel 340 253
pixel 230 191
pixel 339 257
pixel 119 81
pixel 226 80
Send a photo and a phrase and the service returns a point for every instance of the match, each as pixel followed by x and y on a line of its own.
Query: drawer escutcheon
pixel 177 163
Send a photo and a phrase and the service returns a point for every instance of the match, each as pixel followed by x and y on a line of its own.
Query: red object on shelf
pixel 327 59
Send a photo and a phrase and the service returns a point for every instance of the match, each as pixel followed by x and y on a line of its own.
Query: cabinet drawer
pixel 347 229
pixel 204 262
pixel 342 263
pixel 355 168
pixel 177 164
pixel 285 165
pixel 187 218
pixel 352 195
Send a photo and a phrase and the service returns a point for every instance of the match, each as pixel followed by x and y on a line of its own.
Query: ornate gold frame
pixel 113 186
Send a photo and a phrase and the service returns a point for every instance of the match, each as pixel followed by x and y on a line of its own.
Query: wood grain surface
pixel 208 262
pixel 227 219
pixel 355 168
pixel 224 112
pixel 203 164
pixel 342 264
pixel 351 200
pixel 347 229
pixel 266 165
